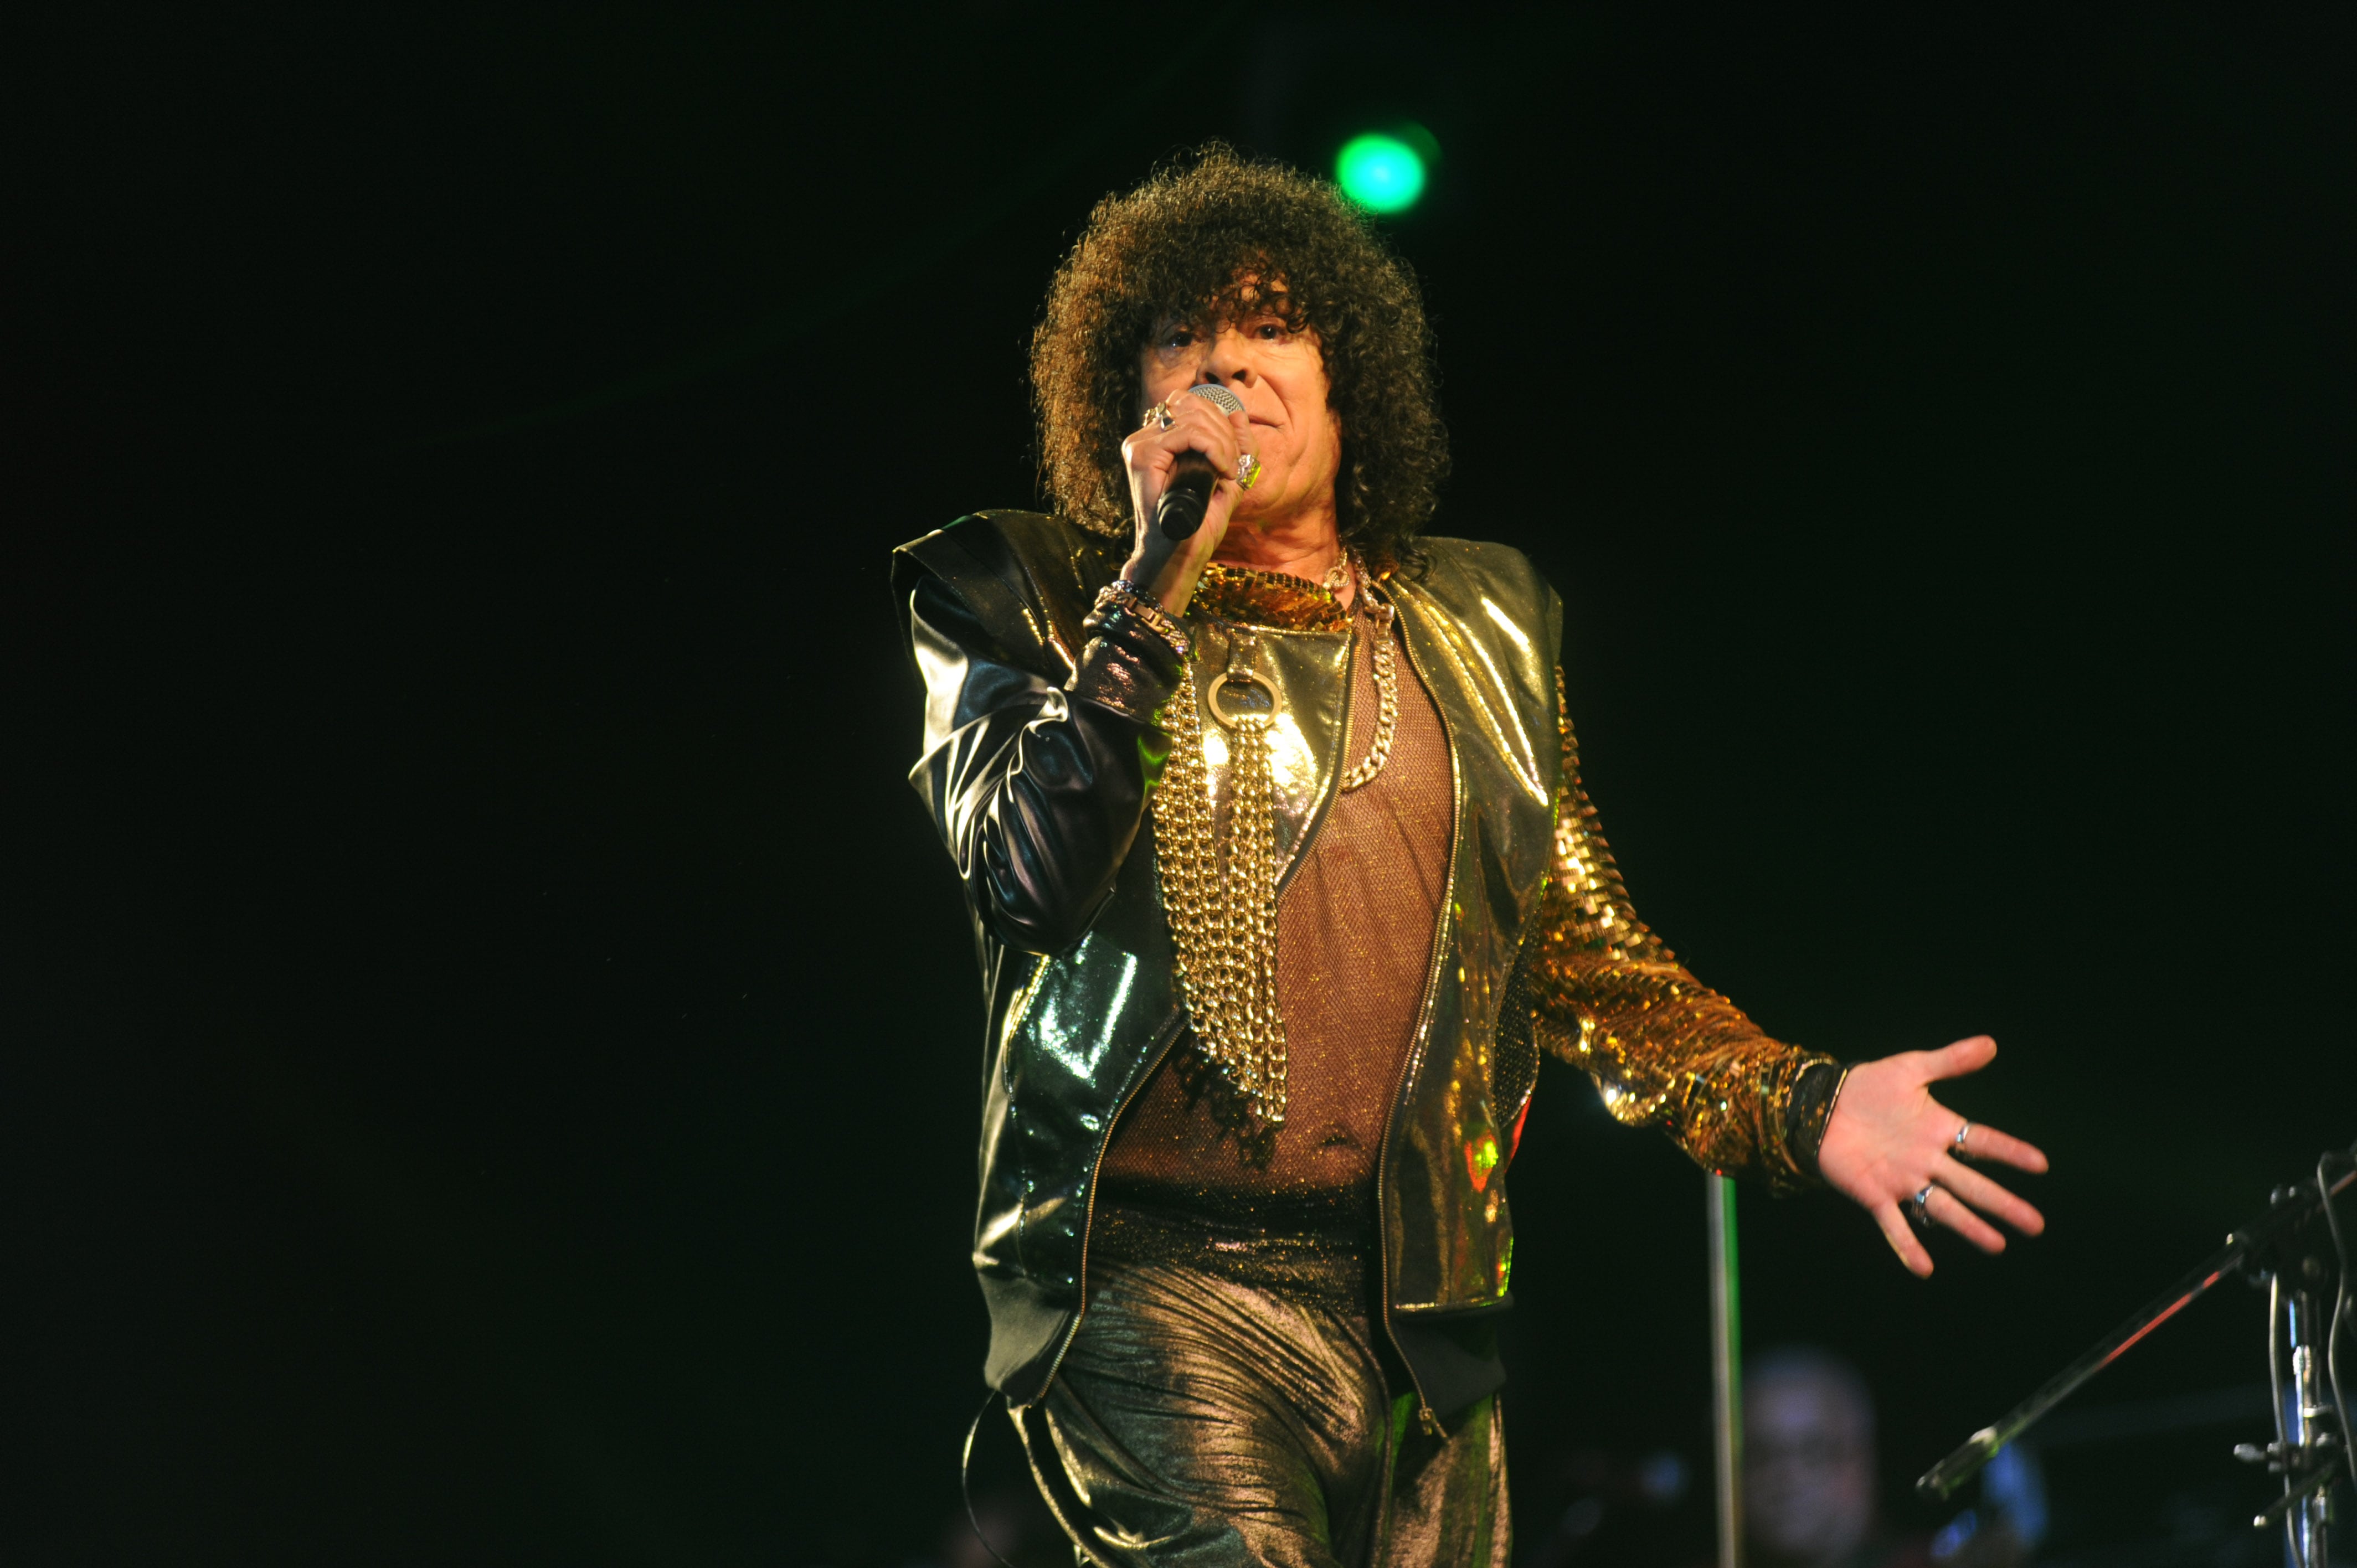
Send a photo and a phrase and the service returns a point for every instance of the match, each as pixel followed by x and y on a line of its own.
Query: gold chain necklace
pixel 1387 700
pixel 1221 897
pixel 1222 908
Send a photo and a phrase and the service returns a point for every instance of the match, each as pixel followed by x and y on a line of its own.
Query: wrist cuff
pixel 1127 666
pixel 1807 1111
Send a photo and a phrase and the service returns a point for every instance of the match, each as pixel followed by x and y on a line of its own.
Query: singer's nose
pixel 1229 362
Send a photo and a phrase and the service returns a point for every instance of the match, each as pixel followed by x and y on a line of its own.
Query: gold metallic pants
pixel 1237 1414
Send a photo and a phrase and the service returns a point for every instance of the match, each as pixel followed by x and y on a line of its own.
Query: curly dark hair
pixel 1190 243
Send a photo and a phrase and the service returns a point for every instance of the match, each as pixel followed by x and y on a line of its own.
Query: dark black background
pixel 492 1065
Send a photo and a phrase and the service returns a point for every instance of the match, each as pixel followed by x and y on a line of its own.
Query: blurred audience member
pixel 1809 1473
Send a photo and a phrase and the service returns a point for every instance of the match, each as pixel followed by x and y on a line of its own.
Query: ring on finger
pixel 1918 1208
pixel 1956 1144
pixel 1247 471
pixel 1158 416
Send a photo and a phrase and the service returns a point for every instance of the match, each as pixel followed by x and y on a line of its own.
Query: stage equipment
pixel 1725 1365
pixel 2286 1250
pixel 1382 174
pixel 1180 511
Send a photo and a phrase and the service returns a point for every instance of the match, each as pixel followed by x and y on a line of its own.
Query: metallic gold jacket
pixel 1040 746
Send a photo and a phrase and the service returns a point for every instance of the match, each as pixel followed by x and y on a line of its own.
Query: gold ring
pixel 1247 471
pixel 1159 415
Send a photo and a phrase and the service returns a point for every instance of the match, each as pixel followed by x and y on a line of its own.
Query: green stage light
pixel 1381 173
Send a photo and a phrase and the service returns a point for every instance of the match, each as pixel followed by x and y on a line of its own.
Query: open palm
pixel 1888 1140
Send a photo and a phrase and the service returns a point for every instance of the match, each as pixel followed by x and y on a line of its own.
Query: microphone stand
pixel 1726 1366
pixel 2285 1249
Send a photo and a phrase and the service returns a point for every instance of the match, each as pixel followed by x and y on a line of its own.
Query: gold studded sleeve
pixel 1665 1049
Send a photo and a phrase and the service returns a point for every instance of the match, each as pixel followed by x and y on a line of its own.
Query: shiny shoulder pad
pixel 1031 579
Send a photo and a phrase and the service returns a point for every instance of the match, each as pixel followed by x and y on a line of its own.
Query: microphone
pixel 1180 511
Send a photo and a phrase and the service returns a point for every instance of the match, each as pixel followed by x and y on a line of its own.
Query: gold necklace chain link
pixel 1222 908
pixel 1386 702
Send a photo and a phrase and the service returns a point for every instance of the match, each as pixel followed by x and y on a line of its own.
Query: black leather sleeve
pixel 1038 789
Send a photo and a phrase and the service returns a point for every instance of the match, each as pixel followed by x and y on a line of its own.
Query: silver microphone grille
pixel 1219 397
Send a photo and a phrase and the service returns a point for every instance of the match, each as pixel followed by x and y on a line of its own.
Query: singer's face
pixel 1280 375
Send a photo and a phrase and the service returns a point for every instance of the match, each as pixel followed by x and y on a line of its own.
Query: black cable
pixel 2340 1310
pixel 2274 1358
pixel 965 1478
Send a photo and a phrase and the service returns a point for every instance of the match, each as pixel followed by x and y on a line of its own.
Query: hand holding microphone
pixel 1192 478
pixel 1177 458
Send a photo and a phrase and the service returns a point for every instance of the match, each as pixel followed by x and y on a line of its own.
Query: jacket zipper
pixel 1425 1417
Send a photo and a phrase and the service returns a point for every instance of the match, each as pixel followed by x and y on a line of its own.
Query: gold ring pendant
pixel 1219 683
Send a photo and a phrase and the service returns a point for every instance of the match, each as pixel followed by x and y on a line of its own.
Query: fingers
pixel 1150 452
pixel 1989 1143
pixel 1196 425
pixel 1955 1060
pixel 1990 1198
pixel 1889 1139
pixel 1241 423
pixel 1903 1240
pixel 1944 1208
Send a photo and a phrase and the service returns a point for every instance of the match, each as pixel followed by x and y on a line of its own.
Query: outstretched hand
pixel 1888 1140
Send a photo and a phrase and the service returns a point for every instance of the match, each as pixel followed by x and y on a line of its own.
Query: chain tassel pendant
pixel 1223 906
